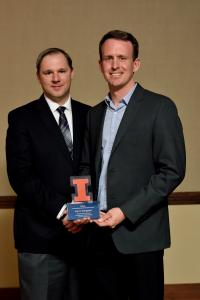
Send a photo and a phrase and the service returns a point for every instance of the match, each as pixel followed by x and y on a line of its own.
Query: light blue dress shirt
pixel 112 121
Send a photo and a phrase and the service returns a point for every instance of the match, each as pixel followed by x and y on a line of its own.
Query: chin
pixel 116 84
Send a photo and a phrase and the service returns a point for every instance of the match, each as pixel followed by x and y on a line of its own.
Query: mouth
pixel 116 74
pixel 56 87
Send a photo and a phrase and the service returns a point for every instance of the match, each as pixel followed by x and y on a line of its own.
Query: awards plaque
pixel 82 205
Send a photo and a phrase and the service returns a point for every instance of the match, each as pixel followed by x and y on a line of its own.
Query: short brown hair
pixel 123 36
pixel 50 51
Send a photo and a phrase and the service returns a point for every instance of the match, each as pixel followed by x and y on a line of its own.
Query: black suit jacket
pixel 39 166
pixel 147 163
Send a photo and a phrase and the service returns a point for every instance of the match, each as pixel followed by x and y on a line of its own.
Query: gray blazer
pixel 147 163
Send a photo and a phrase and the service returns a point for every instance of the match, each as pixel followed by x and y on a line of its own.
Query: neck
pixel 59 100
pixel 118 94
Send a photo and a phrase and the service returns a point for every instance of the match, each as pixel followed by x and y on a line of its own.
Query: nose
pixel 55 77
pixel 115 63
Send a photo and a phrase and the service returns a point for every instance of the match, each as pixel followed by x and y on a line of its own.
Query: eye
pixel 107 58
pixel 122 58
pixel 62 71
pixel 48 72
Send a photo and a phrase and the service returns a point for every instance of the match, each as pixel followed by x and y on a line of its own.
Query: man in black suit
pixel 134 151
pixel 41 157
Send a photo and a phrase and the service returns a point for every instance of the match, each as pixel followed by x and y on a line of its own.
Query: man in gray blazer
pixel 134 151
pixel 40 160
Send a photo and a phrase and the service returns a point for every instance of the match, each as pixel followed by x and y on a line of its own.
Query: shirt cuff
pixel 59 215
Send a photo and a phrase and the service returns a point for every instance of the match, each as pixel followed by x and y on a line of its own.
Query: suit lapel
pixel 51 125
pixel 99 121
pixel 76 130
pixel 129 115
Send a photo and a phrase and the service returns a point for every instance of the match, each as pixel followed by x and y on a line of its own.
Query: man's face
pixel 55 77
pixel 117 64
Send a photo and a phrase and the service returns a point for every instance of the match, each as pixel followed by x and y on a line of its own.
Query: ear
pixel 72 74
pixel 100 65
pixel 136 65
pixel 38 76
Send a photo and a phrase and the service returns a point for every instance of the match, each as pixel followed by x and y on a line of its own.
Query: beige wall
pixel 168 32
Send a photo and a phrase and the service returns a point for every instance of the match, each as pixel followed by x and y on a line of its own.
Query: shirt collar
pixel 53 105
pixel 126 98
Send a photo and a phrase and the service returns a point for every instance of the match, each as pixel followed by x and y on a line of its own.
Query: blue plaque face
pixel 82 205
pixel 82 210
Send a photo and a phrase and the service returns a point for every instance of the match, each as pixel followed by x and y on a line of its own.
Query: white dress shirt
pixel 68 112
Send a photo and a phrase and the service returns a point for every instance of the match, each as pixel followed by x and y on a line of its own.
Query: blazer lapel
pixel 99 121
pixel 51 125
pixel 76 130
pixel 129 115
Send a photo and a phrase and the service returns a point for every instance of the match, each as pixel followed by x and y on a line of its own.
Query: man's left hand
pixel 111 219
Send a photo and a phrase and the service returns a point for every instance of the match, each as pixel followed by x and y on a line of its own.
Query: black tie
pixel 64 127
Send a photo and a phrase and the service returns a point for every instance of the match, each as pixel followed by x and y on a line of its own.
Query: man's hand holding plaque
pixel 82 205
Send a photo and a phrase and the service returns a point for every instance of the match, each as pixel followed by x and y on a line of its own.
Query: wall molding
pixel 182 291
pixel 177 198
pixel 7 201
pixel 9 294
pixel 172 292
pixel 184 198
